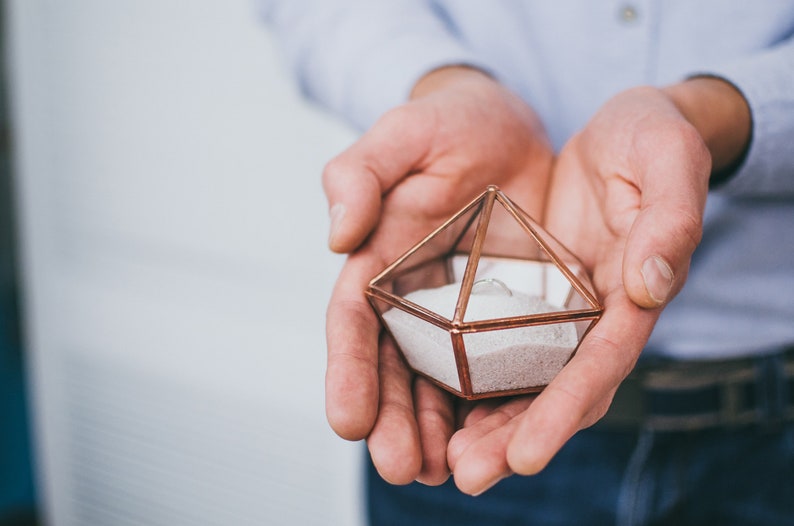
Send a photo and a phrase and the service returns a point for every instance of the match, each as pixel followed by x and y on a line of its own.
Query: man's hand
pixel 418 165
pixel 627 197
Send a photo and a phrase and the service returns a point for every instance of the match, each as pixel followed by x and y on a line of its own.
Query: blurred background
pixel 171 231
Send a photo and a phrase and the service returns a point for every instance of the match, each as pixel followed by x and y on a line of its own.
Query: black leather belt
pixel 699 395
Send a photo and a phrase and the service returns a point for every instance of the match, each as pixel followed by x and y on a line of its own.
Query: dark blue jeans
pixel 606 477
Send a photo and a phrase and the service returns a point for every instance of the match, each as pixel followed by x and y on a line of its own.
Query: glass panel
pixel 518 275
pixel 507 237
pixel 439 300
pixel 557 278
pixel 519 358
pixel 582 327
pixel 426 347
pixel 429 264
pixel 437 246
pixel 516 262
pixel 507 289
pixel 431 274
pixel 378 304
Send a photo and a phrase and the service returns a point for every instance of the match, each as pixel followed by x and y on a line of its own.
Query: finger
pixel 581 393
pixel 352 329
pixel 487 418
pixel 479 410
pixel 356 180
pixel 484 461
pixel 394 443
pixel 668 227
pixel 435 417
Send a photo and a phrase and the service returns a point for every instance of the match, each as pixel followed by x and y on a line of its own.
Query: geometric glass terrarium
pixel 489 304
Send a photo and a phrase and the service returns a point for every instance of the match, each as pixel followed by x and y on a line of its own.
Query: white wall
pixel 176 274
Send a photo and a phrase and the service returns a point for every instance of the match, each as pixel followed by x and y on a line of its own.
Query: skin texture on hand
pixel 626 195
pixel 414 168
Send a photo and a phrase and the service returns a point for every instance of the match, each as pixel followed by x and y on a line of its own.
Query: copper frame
pixel 464 235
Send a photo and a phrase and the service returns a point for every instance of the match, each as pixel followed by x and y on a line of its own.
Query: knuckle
pixel 333 169
pixel 691 226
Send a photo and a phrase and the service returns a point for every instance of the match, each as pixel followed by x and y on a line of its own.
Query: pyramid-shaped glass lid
pixel 490 265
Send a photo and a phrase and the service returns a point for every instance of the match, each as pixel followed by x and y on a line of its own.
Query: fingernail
pixel 488 486
pixel 336 214
pixel 658 278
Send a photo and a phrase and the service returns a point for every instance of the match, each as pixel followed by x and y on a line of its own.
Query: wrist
pixel 720 113
pixel 445 76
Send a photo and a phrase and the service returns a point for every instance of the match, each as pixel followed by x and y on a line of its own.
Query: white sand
pixel 498 360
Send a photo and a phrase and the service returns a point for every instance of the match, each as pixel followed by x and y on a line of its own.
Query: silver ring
pixel 492 282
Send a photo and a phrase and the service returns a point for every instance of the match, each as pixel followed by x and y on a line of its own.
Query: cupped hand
pixel 627 196
pixel 414 168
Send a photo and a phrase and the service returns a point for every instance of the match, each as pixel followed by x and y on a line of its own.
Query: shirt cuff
pixel 766 81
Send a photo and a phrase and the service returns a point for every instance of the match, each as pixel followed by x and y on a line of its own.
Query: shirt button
pixel 628 13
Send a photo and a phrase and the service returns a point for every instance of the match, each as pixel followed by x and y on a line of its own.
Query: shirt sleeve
pixel 361 58
pixel 767 82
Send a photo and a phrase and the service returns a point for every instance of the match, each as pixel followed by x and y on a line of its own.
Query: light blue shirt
pixel 566 58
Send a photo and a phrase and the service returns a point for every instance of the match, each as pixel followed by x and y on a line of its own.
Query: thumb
pixel 656 262
pixel 668 227
pixel 357 179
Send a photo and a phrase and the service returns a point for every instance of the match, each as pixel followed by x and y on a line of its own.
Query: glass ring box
pixel 488 304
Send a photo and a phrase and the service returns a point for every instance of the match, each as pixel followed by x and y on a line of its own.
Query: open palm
pixel 417 166
pixel 627 196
